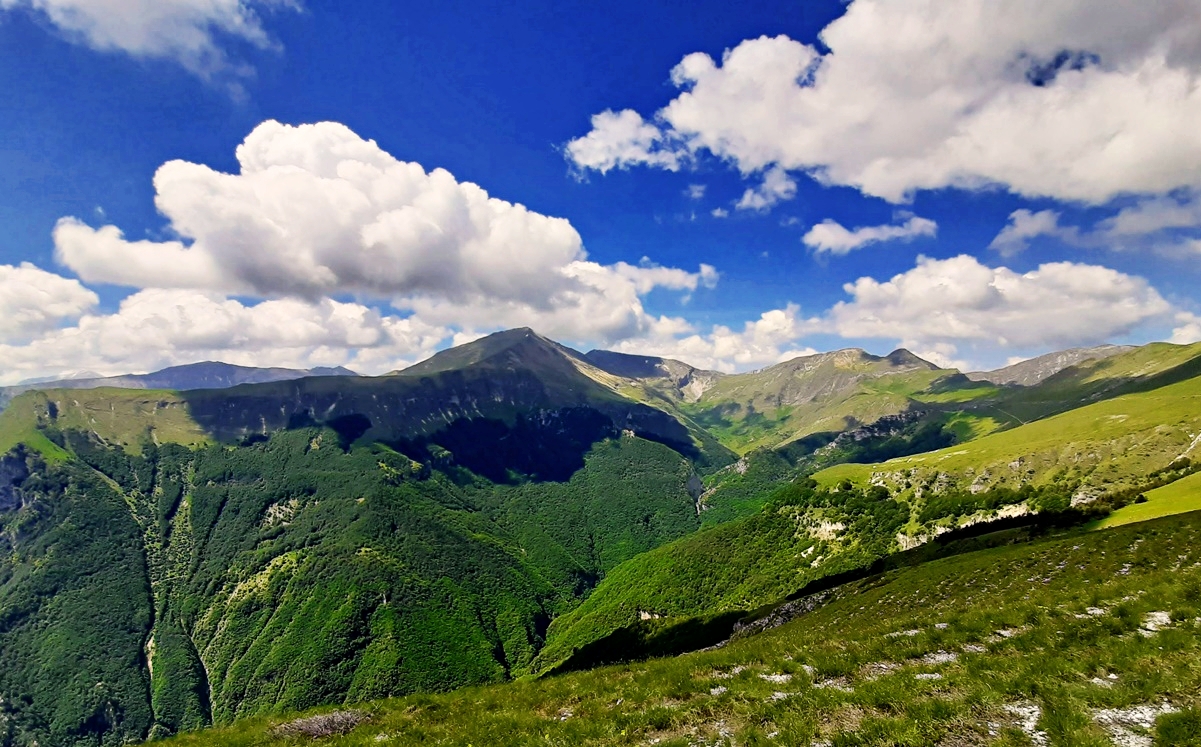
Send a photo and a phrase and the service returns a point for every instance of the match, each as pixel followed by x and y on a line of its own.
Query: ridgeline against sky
pixel 302 184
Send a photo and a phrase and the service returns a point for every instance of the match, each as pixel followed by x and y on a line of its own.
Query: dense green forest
pixel 292 572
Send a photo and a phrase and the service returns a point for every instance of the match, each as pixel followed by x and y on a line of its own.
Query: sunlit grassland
pixel 1177 498
pixel 1106 444
pixel 18 425
pixel 126 418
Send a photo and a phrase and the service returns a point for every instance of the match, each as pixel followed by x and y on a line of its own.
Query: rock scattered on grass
pixel 1153 622
pixel 940 657
pixel 1121 723
pixel 1028 715
pixel 878 669
pixel 778 679
pixel 836 683
pixel 907 633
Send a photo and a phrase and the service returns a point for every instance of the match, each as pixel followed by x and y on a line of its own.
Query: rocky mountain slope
pixel 1030 372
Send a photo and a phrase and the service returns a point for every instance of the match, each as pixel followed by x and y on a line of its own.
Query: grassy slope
pixel 125 418
pixel 1179 497
pixel 1092 380
pixel 1104 445
pixel 1058 657
pixel 793 399
pixel 18 425
pixel 738 565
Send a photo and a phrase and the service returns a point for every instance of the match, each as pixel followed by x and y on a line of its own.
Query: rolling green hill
pixel 790 538
pixel 830 392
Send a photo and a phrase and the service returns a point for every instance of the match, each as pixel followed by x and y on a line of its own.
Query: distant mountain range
pixel 205 375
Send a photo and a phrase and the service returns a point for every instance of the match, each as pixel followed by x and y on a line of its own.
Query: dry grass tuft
pixel 322 725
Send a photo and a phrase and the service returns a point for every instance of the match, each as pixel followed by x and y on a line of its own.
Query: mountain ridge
pixel 186 377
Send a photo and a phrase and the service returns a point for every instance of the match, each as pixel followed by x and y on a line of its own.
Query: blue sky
pixel 979 181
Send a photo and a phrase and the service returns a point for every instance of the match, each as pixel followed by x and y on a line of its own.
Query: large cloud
pixel 156 328
pixel 317 211
pixel 941 305
pixel 33 301
pixel 1072 99
pixel 185 30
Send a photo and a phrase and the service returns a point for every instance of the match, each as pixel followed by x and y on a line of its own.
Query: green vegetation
pixel 803 534
pixel 74 610
pixel 1062 640
pixel 1175 498
pixel 294 572
pixel 513 509
pixel 1104 446
pixel 814 394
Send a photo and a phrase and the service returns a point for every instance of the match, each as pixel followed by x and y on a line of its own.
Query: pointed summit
pixel 510 349
pixel 902 357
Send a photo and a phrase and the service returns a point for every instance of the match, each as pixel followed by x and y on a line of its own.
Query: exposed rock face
pixel 686 382
pixel 13 472
pixel 1029 373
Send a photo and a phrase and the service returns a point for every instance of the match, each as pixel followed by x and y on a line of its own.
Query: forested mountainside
pixel 174 559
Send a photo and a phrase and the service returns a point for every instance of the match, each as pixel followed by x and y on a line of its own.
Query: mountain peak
pixel 510 348
pixel 903 357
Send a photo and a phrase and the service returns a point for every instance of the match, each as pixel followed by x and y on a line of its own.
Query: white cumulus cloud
pixel 942 304
pixel 188 31
pixel 33 301
pixel 831 236
pixel 316 211
pixel 1163 221
pixel 1080 100
pixel 620 140
pixel 776 186
pixel 156 328
pixel 1189 329
pixel 772 338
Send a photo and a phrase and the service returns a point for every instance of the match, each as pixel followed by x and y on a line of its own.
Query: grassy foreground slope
pixel 1068 641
